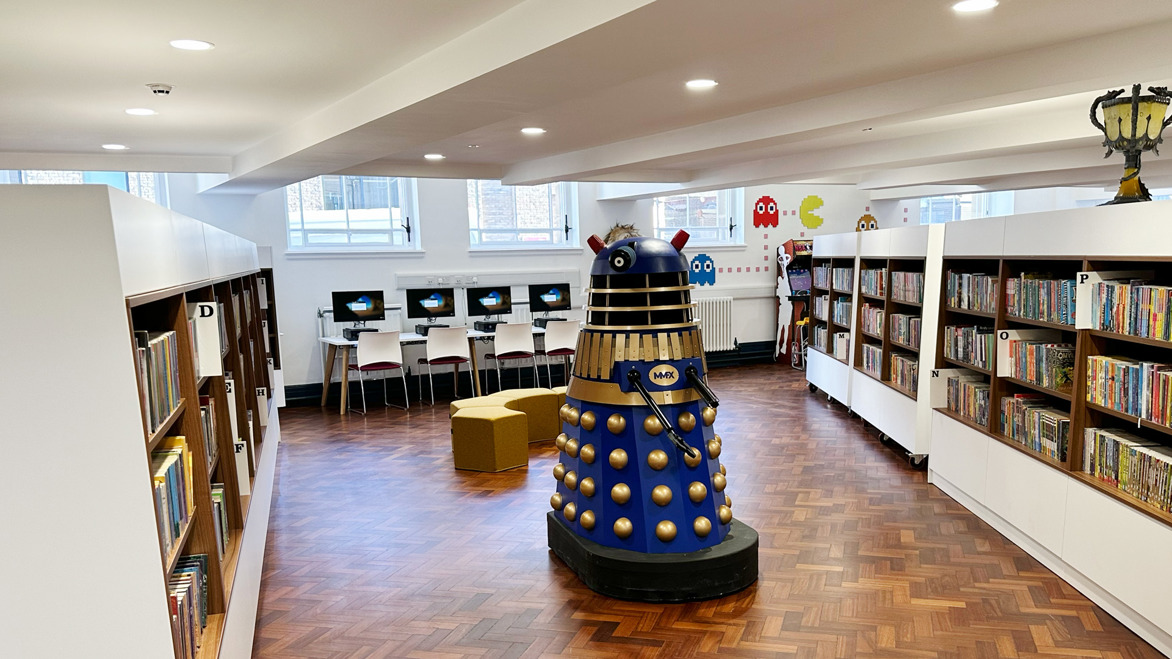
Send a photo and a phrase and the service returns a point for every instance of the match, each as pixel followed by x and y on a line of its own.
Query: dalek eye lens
pixel 622 259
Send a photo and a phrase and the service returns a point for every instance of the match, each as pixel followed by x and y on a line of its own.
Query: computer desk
pixel 346 345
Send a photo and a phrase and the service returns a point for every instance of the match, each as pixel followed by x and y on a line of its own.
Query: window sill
pixel 510 251
pixel 296 254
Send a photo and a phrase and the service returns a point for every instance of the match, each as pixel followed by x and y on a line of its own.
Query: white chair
pixel 447 345
pixel 561 340
pixel 380 351
pixel 513 341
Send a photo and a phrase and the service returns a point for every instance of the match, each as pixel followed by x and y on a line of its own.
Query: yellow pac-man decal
pixel 809 219
pixel 663 375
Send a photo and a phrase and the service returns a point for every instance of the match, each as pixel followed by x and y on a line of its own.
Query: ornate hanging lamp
pixel 1132 125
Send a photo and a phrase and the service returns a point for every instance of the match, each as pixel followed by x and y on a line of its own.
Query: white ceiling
pixel 890 95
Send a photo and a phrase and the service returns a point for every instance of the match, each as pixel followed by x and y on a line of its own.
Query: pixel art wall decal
pixel 765 212
pixel 867 223
pixel 809 219
pixel 702 271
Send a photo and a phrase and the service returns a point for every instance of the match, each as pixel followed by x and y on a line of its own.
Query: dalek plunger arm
pixel 636 381
pixel 701 387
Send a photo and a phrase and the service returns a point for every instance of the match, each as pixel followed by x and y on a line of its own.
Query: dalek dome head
pixel 639 255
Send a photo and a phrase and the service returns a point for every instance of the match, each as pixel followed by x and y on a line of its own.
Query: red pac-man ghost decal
pixel 765 212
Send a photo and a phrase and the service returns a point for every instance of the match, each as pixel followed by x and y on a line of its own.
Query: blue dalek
pixel 641 510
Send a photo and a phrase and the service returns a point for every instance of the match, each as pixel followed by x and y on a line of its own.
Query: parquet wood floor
pixel 378 548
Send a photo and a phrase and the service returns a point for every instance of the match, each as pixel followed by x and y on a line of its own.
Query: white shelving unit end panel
pixel 909 242
pixel 1140 229
pixel 157 248
pixel 960 455
pixel 829 375
pixel 836 245
pixel 875 244
pixel 985 237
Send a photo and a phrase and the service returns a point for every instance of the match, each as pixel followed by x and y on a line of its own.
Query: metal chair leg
pixel 500 385
pixel 386 397
pixel 536 377
pixel 362 388
pixel 406 396
pixel 431 384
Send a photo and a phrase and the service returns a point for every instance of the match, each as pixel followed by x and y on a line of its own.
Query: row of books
pixel 822 276
pixel 907 287
pixel 172 478
pixel 1027 420
pixel 842 345
pixel 905 329
pixel 820 336
pixel 207 419
pixel 969 343
pixel 905 371
pixel 871 319
pixel 220 518
pixel 1039 297
pixel 1142 389
pixel 873 281
pixel 821 306
pixel 873 360
pixel 1139 467
pixel 223 318
pixel 843 278
pixel 1049 365
pixel 977 292
pixel 842 311
pixel 1132 307
pixel 187 592
pixel 968 396
pixel 158 374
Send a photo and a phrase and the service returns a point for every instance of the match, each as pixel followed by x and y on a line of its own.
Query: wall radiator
pixel 716 323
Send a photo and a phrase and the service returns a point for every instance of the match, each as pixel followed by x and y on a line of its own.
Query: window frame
pixel 131 182
pixel 730 204
pixel 408 193
pixel 567 210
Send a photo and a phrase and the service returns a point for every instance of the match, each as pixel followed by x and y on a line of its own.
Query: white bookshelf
pixel 824 372
pixel 81 571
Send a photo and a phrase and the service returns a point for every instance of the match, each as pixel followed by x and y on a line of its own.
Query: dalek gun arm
pixel 701 387
pixel 636 381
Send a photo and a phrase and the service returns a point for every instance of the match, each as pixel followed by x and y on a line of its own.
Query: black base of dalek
pixel 423 327
pixel 709 573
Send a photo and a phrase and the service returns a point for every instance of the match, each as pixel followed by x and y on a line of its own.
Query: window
pixel 151 186
pixel 352 212
pixel 710 218
pixel 522 216
pixel 952 208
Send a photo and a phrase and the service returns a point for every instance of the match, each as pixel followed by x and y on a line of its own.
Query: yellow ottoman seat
pixel 471 403
pixel 561 392
pixel 539 405
pixel 489 439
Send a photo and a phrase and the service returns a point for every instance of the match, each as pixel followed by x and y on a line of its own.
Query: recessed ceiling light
pixel 700 84
pixel 434 156
pixel 970 6
pixel 141 112
pixel 473 146
pixel 115 147
pixel 533 130
pixel 192 44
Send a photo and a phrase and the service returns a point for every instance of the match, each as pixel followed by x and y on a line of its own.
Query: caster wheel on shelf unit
pixel 851 414
pixel 829 398
pixel 918 462
pixel 813 388
pixel 884 439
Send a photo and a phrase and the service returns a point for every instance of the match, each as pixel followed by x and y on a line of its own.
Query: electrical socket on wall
pixel 431 281
pixel 459 281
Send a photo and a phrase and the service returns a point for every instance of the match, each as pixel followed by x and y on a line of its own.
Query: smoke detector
pixel 159 89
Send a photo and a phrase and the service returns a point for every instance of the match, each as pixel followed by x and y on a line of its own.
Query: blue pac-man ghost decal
pixel 702 270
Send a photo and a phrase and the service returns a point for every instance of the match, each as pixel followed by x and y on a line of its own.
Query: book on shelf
pixel 905 371
pixel 187 593
pixel 972 291
pixel 819 336
pixel 1134 307
pixel 236 313
pixel 968 396
pixel 873 281
pixel 220 518
pixel 843 278
pixel 822 307
pixel 247 306
pixel 223 321
pixel 262 292
pixel 1137 466
pixel 1049 365
pixel 1140 388
pixel 207 419
pixel 872 360
pixel 872 319
pixel 158 373
pixel 822 276
pixel 1028 421
pixel 205 327
pixel 905 329
pixel 172 476
pixel 970 344
pixel 842 311
pixel 1037 296
pixel 907 287
pixel 842 344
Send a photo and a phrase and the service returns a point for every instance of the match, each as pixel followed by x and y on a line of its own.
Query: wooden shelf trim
pixel 905 346
pixel 965 420
pixel 1039 323
pixel 1142 340
pixel 213 634
pixel 971 312
pixel 971 367
pixel 180 543
pixel 844 292
pixel 910 394
pixel 909 303
pixel 869 334
pixel 1064 395
pixel 1118 494
pixel 153 440
pixel 880 298
pixel 1053 462
pixel 877 378
pixel 1130 418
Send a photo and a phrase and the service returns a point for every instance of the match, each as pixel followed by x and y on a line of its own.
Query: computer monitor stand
pixel 421 328
pixel 544 320
pixel 351 333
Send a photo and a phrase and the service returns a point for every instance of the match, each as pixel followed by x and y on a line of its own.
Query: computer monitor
pixel 489 301
pixel 358 306
pixel 544 298
pixel 431 302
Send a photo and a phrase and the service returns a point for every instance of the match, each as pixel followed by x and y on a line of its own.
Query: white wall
pixel 304 283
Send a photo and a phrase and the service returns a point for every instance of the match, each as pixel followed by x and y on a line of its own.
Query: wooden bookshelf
pixel 878 271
